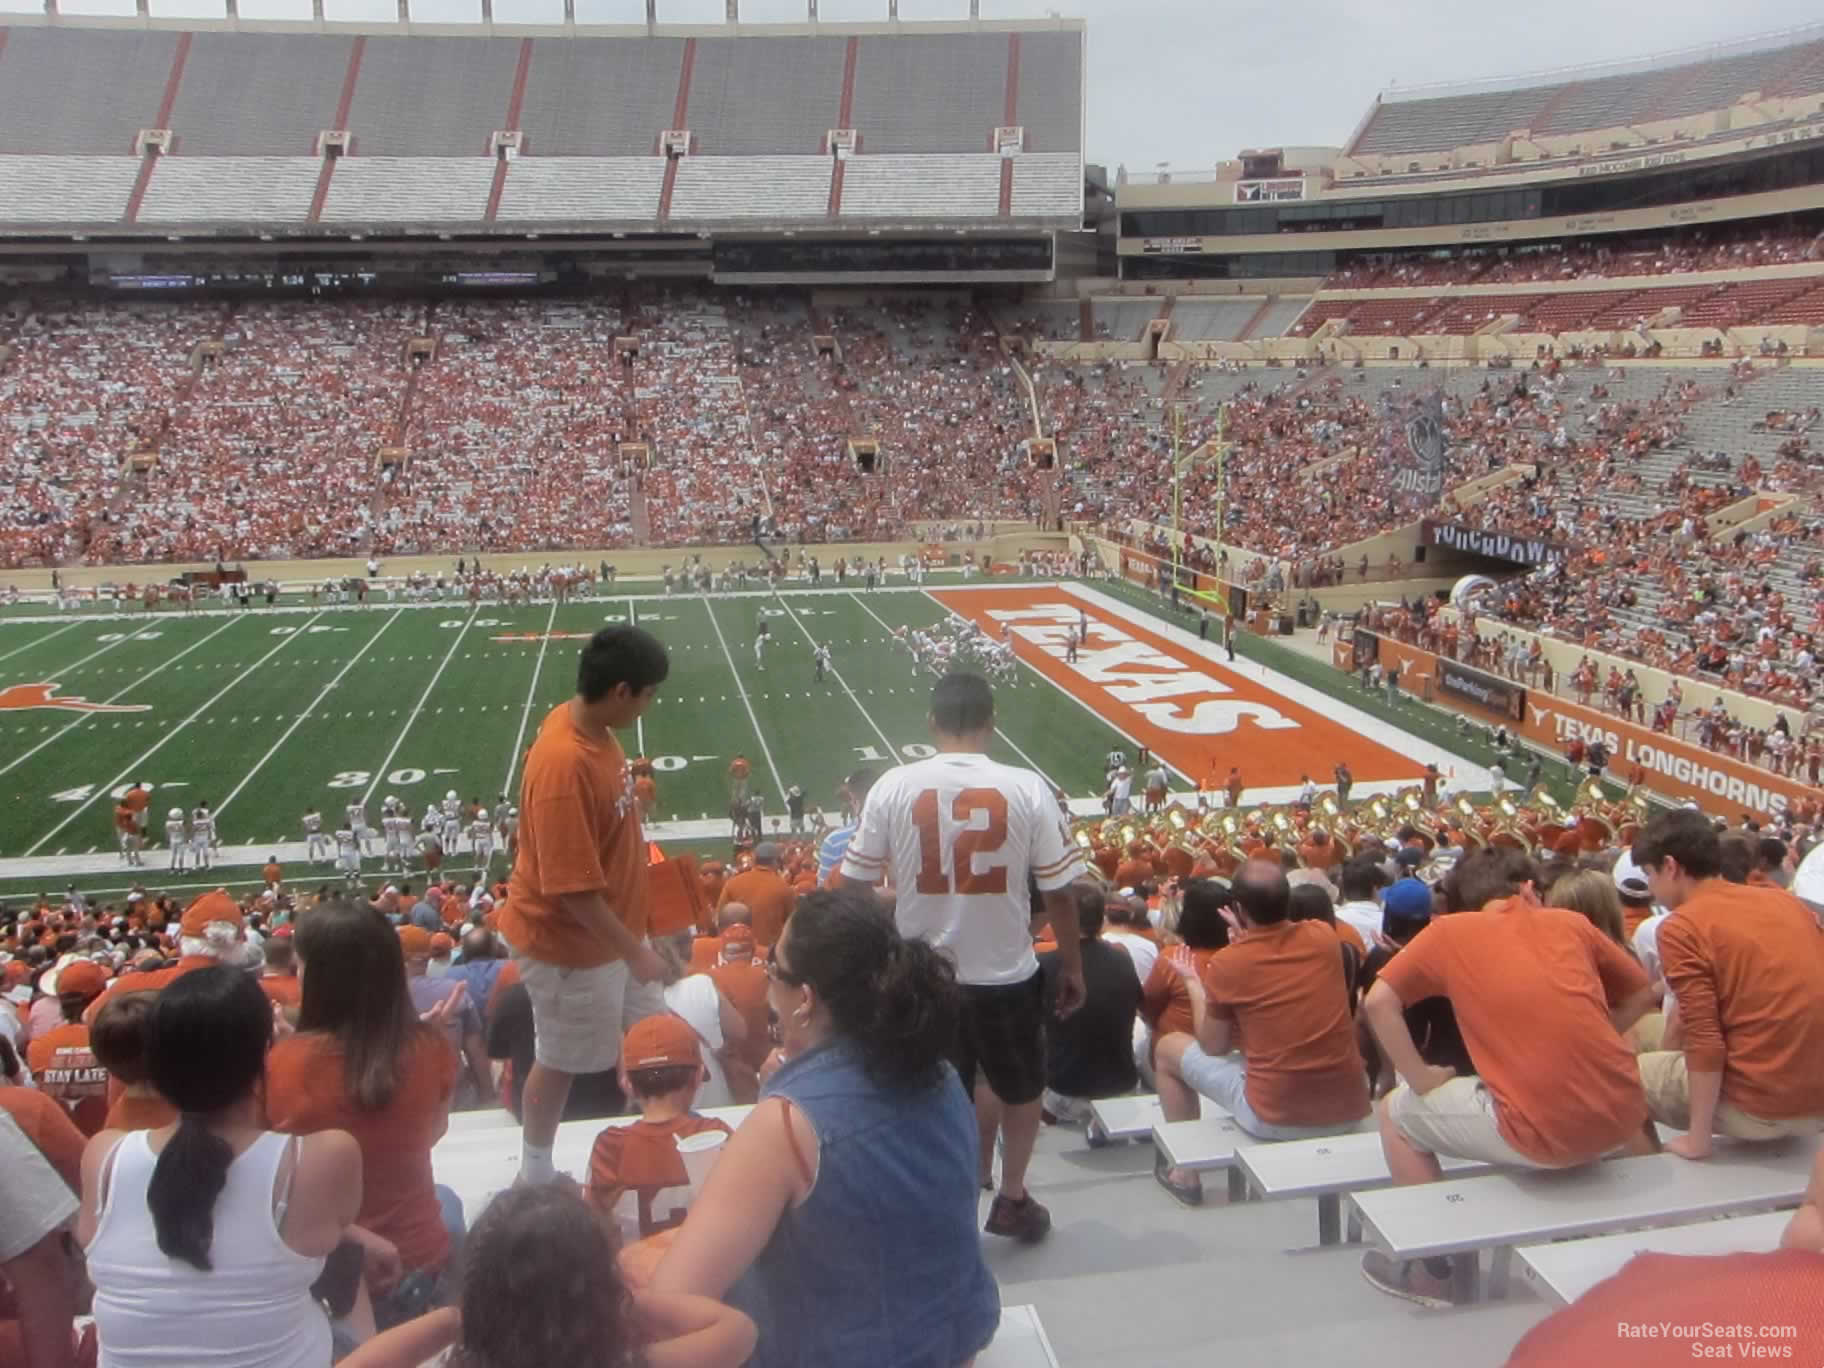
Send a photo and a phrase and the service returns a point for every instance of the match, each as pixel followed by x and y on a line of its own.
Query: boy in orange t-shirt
pixel 61 1060
pixel 636 1175
pixel 119 1037
pixel 576 907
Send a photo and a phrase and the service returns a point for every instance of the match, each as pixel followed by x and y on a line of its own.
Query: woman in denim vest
pixel 842 1216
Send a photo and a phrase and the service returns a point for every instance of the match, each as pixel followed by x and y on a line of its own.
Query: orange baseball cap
pixel 209 909
pixel 441 944
pixel 415 941
pixel 81 978
pixel 661 1042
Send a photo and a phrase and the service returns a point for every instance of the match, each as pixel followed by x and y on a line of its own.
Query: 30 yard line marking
pixel 506 785
pixel 81 718
pixel 386 765
pixel 741 689
pixel 1031 764
pixel 39 641
pixel 132 770
pixel 298 721
pixel 866 716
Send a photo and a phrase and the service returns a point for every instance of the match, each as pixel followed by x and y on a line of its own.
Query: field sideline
pixel 265 712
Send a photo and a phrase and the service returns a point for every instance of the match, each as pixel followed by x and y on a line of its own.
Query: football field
pixel 265 712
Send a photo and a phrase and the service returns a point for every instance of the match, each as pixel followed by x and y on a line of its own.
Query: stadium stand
pixel 574 189
pixel 409 190
pixel 1049 103
pixel 940 92
pixel 247 190
pixel 732 82
pixel 74 190
pixel 923 186
pixel 787 189
pixel 602 97
pixel 404 103
pixel 82 92
pixel 244 95
pixel 1419 123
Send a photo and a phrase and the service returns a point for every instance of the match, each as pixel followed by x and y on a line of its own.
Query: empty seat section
pixel 752 188
pixel 81 91
pixel 249 190
pixel 1466 314
pixel 1212 320
pixel 751 96
pixel 427 96
pixel 65 189
pixel 1281 314
pixel 596 97
pixel 946 187
pixel 1121 320
pixel 1049 103
pixel 409 190
pixel 587 189
pixel 258 94
pixel 930 92
pixel 1048 185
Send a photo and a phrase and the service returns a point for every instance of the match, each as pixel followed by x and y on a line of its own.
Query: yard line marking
pixel 119 637
pixel 41 640
pixel 1031 764
pixel 506 785
pixel 639 723
pixel 865 715
pixel 81 718
pixel 741 689
pixel 285 735
pixel 386 765
pixel 157 745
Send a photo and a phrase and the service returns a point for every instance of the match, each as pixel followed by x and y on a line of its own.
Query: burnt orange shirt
pixel 140 1113
pixel 744 985
pixel 631 1167
pixel 67 1072
pixel 767 895
pixel 1348 935
pixel 146 983
pixel 306 1092
pixel 1283 988
pixel 1531 988
pixel 1165 1003
pixel 284 989
pixel 1747 967
pixel 271 872
pixel 579 832
pixel 48 1126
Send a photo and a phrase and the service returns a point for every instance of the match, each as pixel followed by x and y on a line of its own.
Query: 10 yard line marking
pixel 132 769
pixel 62 731
pixel 41 640
pixel 506 785
pixel 298 721
pixel 865 715
pixel 741 689
pixel 386 765
pixel 1031 764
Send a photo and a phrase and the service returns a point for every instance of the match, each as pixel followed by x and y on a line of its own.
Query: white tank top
pixel 254 1311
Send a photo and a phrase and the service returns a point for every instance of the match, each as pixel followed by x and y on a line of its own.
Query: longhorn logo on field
pixel 19 697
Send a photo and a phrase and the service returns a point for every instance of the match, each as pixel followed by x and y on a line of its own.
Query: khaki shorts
pixel 1663 1075
pixel 580 1015
pixel 1456 1119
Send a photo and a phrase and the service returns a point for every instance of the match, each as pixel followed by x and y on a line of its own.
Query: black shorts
pixel 1002 1034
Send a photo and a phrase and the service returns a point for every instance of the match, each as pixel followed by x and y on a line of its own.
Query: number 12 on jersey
pixel 971 839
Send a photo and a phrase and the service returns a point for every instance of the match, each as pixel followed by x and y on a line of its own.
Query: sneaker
pixel 1406 1280
pixel 1025 1220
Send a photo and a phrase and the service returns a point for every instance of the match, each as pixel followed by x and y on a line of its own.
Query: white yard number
pixel 356 778
pixel 912 750
pixel 406 776
pixel 667 763
pixel 454 624
pixel 312 631
pixel 74 795
pixel 128 636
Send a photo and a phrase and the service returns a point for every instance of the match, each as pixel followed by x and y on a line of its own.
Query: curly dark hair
pixel 541 1286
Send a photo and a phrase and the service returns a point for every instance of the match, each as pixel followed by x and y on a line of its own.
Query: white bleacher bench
pixel 1207 1143
pixel 1328 1169
pixel 478 1162
pixel 1458 1218
pixel 1566 1270
pixel 1019 1343
pixel 1126 1118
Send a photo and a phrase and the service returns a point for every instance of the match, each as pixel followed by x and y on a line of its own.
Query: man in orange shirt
pixel 1280 997
pixel 768 896
pixel 1744 970
pixel 272 874
pixel 575 912
pixel 60 1059
pixel 279 979
pixel 212 931
pixel 741 978
pixel 1542 999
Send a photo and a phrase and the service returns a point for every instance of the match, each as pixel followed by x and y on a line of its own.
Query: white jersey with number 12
pixel 958 835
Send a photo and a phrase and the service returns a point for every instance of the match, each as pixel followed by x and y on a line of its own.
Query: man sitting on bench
pixel 1745 964
pixel 1541 997
pixel 1282 989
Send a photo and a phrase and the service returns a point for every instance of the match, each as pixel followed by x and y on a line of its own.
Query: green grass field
pixel 264 713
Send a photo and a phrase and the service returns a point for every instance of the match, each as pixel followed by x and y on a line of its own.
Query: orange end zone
pixel 1190 710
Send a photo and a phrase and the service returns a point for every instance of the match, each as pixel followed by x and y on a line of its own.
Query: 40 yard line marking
pixel 158 745
pixel 386 765
pixel 1031 764
pixel 506 785
pixel 82 718
pixel 740 688
pixel 39 641
pixel 298 721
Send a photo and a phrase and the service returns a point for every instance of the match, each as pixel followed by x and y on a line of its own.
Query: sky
pixel 1192 82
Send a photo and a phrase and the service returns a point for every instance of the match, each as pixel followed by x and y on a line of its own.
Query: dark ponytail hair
pixel 210 1031
pixel 894 1000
